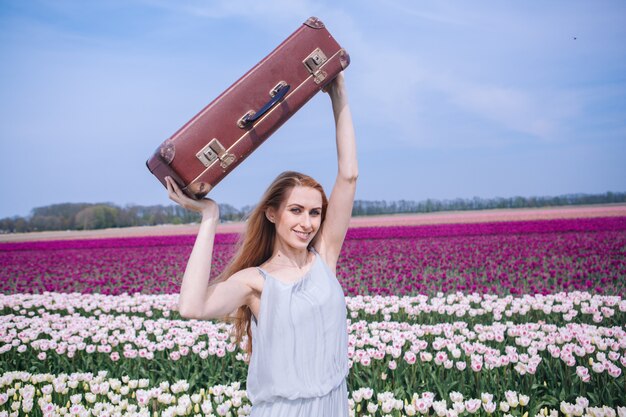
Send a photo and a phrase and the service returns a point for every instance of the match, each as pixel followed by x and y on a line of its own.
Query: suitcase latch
pixel 313 62
pixel 215 150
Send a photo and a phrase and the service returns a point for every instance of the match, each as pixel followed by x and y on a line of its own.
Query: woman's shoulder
pixel 251 277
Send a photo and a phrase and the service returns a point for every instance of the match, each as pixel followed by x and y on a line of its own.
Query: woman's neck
pixel 290 257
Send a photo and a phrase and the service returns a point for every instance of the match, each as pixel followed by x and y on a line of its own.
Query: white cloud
pixel 540 114
pixel 402 84
pixel 437 12
pixel 265 11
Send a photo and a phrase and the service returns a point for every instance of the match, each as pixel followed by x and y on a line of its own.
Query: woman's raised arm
pixel 197 300
pixel 341 198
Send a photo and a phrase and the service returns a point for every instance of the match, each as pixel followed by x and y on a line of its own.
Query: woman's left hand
pixel 205 206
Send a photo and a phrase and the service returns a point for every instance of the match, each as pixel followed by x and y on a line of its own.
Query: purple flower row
pixel 500 258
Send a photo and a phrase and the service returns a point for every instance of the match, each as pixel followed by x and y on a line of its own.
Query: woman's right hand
pixel 206 206
pixel 336 88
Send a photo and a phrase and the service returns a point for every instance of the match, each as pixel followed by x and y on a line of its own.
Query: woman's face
pixel 299 216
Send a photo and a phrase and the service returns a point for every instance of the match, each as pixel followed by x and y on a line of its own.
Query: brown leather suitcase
pixel 210 145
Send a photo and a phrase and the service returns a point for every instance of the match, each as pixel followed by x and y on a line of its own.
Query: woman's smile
pixel 302 235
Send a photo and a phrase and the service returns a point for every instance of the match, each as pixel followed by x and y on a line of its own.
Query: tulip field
pixel 521 318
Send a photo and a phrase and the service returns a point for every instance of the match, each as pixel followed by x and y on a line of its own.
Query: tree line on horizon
pixel 88 216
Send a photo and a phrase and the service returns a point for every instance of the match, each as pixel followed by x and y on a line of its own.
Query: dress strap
pixel 263 273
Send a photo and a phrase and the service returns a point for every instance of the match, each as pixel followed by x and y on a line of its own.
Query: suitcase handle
pixel 277 94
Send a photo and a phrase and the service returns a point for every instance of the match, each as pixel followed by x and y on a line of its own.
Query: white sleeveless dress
pixel 299 359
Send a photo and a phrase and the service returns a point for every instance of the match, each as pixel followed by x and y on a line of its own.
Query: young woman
pixel 281 287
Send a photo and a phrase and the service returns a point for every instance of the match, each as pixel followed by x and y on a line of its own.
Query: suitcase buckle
pixel 316 59
pixel 313 62
pixel 215 150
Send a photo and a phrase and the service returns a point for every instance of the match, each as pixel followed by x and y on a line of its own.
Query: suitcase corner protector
pixel 314 22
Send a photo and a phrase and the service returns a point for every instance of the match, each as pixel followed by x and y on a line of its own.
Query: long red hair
pixel 256 243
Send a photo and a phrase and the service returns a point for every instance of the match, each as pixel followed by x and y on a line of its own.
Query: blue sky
pixel 450 99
